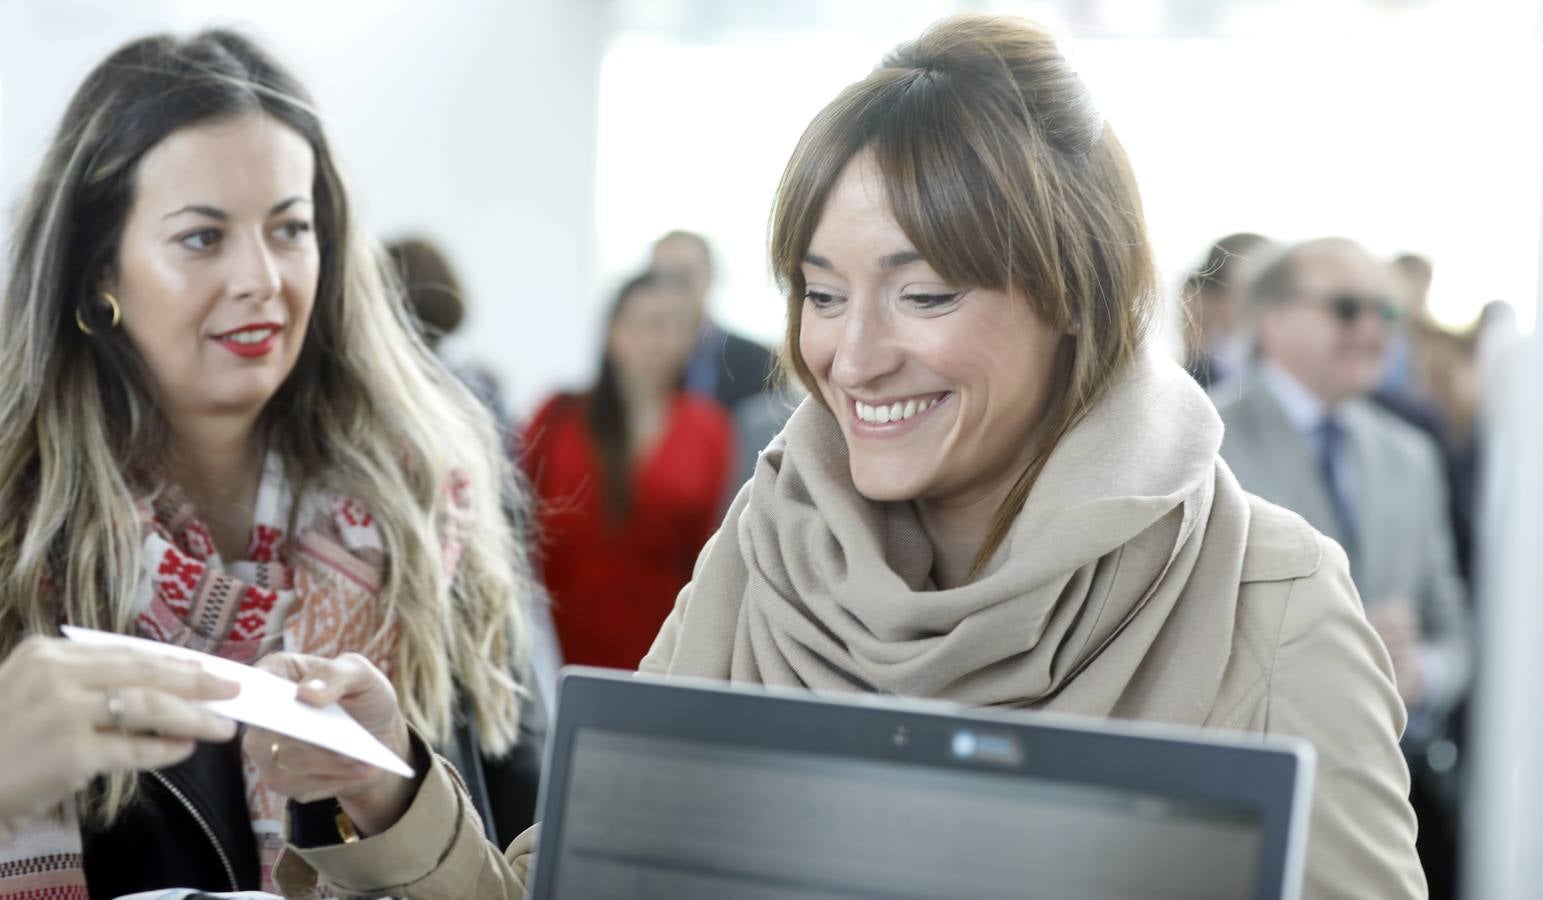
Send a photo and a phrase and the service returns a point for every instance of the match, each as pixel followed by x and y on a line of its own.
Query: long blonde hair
pixel 1001 171
pixel 367 411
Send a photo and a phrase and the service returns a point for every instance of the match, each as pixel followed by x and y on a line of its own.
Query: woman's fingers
pixel 72 766
pixel 316 789
pixel 302 771
pixel 114 751
pixel 306 772
pixel 149 710
pixel 288 666
pixel 322 681
pixel 296 758
pixel 95 667
pixel 330 680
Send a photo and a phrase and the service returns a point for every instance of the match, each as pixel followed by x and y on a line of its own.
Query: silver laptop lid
pixel 702 790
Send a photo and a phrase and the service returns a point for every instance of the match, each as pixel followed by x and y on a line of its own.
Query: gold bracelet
pixel 346 828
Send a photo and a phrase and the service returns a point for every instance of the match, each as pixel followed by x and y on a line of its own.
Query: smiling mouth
pixel 250 340
pixel 897 411
pixel 256 336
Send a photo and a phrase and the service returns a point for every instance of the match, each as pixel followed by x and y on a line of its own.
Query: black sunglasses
pixel 1347 308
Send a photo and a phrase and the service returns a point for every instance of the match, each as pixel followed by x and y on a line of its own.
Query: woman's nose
pixel 866 350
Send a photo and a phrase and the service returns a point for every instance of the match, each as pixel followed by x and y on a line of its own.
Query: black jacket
pixel 188 827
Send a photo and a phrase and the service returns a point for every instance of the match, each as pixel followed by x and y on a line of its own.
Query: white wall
pixel 1297 130
pixel 470 121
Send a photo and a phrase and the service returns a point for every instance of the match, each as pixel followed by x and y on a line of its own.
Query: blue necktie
pixel 1331 441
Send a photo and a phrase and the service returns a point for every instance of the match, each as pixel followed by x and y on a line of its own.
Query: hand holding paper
pixel 371 800
pixel 73 713
pixel 271 703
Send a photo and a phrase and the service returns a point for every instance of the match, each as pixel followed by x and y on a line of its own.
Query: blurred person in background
pixel 722 365
pixel 998 492
pixel 505 786
pixel 733 370
pixel 221 434
pixel 1412 275
pixel 1429 381
pixel 1496 338
pixel 1216 310
pixel 1301 432
pixel 1447 410
pixel 434 296
pixel 629 477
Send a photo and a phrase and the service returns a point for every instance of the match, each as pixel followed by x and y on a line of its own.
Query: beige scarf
pixel 1114 593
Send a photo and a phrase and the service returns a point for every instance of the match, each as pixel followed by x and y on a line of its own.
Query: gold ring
pixel 273 757
pixel 114 709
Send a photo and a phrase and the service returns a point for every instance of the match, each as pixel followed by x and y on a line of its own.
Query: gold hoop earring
pixel 112 304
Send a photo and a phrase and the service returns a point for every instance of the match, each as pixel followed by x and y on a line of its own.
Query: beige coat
pixel 1303 662
pixel 1404 534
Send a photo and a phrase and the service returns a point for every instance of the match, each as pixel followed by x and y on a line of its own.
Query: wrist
pixel 382 804
pixel 375 810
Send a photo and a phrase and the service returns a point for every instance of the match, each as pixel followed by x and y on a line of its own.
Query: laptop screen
pixel 663 817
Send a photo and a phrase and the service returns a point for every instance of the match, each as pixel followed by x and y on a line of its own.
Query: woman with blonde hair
pixel 998 494
pixel 222 433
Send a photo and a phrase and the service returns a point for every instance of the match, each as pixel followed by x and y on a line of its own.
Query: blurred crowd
pixel 1346 402
pixel 631 473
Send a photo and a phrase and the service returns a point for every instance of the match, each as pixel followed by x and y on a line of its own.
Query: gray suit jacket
pixel 1405 545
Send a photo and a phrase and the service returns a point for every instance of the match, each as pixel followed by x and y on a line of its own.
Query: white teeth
pixel 895 412
pixel 249 337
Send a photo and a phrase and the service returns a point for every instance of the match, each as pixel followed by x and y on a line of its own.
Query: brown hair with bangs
pixel 1002 173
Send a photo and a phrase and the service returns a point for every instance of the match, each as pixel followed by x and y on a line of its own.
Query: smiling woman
pixel 216 275
pixel 222 432
pixel 935 386
pixel 998 493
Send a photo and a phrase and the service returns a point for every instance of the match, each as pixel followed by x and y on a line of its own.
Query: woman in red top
pixel 630 479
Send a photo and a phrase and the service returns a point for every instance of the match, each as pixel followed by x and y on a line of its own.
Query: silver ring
pixel 114 709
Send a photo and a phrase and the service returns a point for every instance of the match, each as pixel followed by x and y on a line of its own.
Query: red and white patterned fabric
pixel 314 591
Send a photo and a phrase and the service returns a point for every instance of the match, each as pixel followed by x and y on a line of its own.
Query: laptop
pixel 685 790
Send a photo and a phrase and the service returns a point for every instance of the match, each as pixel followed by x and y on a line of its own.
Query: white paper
pixel 267 701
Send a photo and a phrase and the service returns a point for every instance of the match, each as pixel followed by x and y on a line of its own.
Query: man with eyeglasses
pixel 1301 432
